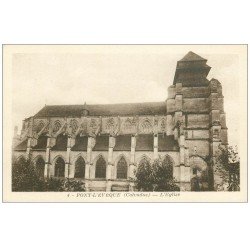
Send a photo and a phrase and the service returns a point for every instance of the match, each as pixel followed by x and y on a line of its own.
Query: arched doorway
pixel 80 168
pixel 195 184
pixel 59 167
pixel 199 174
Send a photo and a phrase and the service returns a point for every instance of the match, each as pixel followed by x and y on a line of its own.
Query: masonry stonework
pixel 188 127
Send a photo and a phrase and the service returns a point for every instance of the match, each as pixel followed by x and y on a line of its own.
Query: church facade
pixel 104 144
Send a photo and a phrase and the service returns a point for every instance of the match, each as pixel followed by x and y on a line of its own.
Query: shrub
pixel 157 176
pixel 26 178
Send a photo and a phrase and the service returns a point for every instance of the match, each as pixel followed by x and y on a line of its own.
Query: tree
pixel 53 185
pixel 157 176
pixel 27 178
pixel 227 167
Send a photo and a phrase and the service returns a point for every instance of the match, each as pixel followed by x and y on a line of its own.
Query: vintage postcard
pixel 125 123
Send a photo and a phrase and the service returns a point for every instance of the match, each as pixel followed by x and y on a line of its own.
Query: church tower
pixel 186 129
pixel 195 106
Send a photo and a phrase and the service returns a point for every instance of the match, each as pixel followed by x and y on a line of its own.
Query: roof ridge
pixel 102 104
pixel 142 108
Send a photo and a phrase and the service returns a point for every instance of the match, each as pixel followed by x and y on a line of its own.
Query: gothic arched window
pixel 59 167
pixel 39 126
pixel 57 125
pixel 80 168
pixel 74 126
pixel 122 169
pixel 100 169
pixel 146 127
pixel 40 165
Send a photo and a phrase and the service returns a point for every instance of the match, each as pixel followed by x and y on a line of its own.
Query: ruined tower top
pixel 192 70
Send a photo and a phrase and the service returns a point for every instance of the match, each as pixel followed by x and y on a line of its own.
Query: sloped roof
pixel 144 143
pixel 167 143
pixel 102 143
pixel 123 143
pixel 81 143
pixel 61 143
pixel 191 56
pixel 41 143
pixel 21 146
pixel 147 108
pixel 196 67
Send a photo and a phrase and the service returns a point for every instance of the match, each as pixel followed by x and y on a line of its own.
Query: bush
pixel 157 176
pixel 63 185
pixel 73 185
pixel 53 185
pixel 26 178
pixel 227 167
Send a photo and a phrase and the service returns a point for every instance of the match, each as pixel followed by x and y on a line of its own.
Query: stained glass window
pixel 100 170
pixel 122 169
pixel 80 168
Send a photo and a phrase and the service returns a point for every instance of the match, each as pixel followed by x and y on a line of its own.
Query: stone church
pixel 104 144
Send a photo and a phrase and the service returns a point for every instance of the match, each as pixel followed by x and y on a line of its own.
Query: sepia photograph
pixel 125 123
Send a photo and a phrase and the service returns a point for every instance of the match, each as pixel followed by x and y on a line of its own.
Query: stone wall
pixel 194 117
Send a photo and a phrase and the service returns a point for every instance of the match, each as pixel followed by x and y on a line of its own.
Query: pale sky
pixel 113 75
